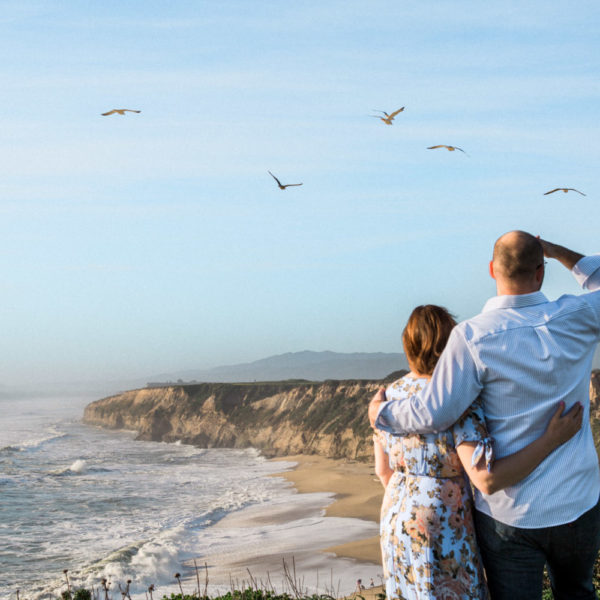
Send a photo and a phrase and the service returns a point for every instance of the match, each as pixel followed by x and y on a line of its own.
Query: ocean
pixel 101 504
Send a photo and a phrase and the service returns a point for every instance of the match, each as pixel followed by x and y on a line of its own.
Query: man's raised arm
pixel 453 387
pixel 585 269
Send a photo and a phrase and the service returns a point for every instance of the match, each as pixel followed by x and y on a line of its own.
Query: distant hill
pixel 313 366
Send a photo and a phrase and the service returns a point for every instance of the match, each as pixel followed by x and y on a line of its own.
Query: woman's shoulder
pixel 407 385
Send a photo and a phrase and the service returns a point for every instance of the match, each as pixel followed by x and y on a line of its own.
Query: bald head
pixel 518 258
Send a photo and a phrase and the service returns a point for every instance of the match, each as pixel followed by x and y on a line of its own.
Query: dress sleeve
pixel 380 438
pixel 471 427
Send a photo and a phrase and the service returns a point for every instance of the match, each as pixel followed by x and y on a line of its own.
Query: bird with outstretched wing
pixel 565 190
pixel 450 148
pixel 388 117
pixel 120 111
pixel 281 185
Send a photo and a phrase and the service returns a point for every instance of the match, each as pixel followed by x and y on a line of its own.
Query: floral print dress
pixel 428 543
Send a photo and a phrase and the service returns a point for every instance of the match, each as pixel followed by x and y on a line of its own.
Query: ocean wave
pixel 78 467
pixel 153 560
pixel 35 443
pixel 144 562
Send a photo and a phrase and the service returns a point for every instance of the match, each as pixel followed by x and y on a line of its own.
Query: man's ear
pixel 539 275
pixel 492 269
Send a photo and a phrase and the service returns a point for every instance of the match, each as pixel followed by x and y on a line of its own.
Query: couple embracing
pixel 501 398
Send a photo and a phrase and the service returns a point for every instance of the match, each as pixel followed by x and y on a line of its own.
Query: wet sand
pixel 327 532
pixel 358 494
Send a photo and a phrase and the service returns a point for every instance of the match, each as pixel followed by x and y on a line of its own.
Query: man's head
pixel 518 263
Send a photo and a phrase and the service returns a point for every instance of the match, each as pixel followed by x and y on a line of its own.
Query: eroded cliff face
pixel 595 394
pixel 278 418
pixel 595 407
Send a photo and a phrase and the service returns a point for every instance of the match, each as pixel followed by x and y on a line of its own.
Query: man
pixel 523 355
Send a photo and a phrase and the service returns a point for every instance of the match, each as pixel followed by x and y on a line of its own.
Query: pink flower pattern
pixel 428 541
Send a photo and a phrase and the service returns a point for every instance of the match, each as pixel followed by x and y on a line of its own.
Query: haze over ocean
pixel 154 242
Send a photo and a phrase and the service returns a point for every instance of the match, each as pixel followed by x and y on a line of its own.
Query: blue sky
pixel 138 244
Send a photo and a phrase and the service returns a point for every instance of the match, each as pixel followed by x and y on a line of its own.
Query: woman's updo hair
pixel 425 336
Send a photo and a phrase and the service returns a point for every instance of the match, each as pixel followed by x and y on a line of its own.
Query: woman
pixel 428 541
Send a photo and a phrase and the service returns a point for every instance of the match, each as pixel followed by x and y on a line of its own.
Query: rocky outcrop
pixel 595 394
pixel 595 407
pixel 278 418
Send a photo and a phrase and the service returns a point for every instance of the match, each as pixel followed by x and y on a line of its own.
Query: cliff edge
pixel 278 418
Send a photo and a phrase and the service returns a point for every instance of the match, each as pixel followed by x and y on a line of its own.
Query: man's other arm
pixel 453 387
pixel 587 272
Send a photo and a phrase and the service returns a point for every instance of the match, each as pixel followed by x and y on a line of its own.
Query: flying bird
pixel 120 111
pixel 450 148
pixel 281 185
pixel 388 117
pixel 565 190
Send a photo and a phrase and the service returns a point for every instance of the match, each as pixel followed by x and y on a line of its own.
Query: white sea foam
pixel 79 466
pixel 36 443
pixel 153 561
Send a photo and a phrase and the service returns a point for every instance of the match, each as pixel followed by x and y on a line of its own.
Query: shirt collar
pixel 518 301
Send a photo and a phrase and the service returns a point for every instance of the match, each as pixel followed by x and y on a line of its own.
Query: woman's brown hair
pixel 425 336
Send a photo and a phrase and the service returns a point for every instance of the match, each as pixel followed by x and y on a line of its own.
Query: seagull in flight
pixel 120 111
pixel 388 117
pixel 281 185
pixel 565 190
pixel 450 148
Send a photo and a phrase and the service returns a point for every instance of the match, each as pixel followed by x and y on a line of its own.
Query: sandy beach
pixel 358 495
pixel 328 531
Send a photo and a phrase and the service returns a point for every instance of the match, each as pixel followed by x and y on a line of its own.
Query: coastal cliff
pixel 278 418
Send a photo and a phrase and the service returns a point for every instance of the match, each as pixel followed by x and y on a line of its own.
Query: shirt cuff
pixel 587 271
pixel 380 421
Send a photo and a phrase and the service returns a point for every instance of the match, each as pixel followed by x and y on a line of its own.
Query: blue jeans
pixel 514 558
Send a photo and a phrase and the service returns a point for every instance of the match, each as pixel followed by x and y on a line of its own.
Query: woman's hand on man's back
pixel 562 427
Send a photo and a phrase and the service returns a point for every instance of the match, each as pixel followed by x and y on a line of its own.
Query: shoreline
pixel 324 530
pixel 357 494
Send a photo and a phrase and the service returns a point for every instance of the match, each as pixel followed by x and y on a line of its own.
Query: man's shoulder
pixel 494 321
pixel 482 325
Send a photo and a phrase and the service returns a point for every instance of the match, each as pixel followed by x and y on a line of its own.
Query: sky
pixel 155 242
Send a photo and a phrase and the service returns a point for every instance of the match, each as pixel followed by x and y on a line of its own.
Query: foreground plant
pixel 255 590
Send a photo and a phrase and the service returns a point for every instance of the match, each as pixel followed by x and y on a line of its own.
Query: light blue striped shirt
pixel 523 354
